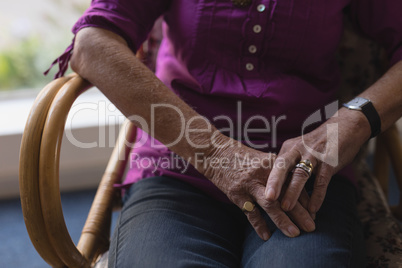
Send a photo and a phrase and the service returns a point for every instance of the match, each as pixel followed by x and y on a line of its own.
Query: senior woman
pixel 237 87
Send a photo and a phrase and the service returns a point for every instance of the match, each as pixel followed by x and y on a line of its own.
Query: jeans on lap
pixel 167 223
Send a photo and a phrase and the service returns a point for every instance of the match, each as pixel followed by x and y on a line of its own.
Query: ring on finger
pixel 248 206
pixel 306 165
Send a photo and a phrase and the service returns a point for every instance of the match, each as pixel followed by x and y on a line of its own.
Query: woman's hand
pixel 104 59
pixel 329 148
pixel 334 144
pixel 241 173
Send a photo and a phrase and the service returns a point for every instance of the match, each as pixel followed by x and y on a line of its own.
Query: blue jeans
pixel 167 223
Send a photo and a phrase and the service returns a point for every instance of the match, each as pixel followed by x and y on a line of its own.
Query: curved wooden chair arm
pixel 29 173
pixel 94 239
pixel 39 180
pixel 381 163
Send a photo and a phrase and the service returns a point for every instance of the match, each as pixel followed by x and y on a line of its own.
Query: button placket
pixel 258 15
pixel 256 28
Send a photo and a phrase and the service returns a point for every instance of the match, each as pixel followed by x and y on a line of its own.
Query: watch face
pixel 357 103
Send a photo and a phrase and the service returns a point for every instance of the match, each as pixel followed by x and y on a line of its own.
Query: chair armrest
pixel 39 184
pixel 39 180
pixel 29 173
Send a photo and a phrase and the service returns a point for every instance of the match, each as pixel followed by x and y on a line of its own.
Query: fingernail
pixel 270 194
pixel 285 205
pixel 293 231
pixel 266 236
pixel 310 225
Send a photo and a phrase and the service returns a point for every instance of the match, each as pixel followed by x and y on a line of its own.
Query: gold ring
pixel 307 163
pixel 248 206
pixel 306 166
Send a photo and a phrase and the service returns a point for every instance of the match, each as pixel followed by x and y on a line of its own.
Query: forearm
pixel 353 128
pixel 386 96
pixel 104 59
pixel 335 143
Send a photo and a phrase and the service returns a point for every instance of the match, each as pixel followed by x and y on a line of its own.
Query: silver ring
pixel 306 166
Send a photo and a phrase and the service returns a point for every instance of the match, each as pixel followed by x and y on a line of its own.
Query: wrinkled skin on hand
pixel 330 147
pixel 242 173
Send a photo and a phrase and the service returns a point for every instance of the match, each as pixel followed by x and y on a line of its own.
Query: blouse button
pixel 249 66
pixel 257 28
pixel 261 8
pixel 252 49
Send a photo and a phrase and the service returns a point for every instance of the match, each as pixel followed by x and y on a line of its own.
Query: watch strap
pixel 372 116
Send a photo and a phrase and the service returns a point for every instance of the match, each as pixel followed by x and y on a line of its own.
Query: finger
pixel 321 182
pixel 302 218
pixel 304 198
pixel 259 224
pixel 282 166
pixel 268 161
pixel 277 215
pixel 254 217
pixel 296 185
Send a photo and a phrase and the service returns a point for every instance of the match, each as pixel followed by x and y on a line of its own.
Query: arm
pixel 104 59
pixel 380 21
pixel 353 131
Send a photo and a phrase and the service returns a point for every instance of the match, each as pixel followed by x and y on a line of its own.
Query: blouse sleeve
pixel 380 20
pixel 131 19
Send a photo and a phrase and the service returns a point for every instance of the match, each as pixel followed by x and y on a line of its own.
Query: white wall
pixel 92 121
pixel 79 169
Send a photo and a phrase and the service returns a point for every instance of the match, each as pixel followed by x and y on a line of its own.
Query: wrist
pixel 353 123
pixel 219 145
pixel 201 145
pixel 366 107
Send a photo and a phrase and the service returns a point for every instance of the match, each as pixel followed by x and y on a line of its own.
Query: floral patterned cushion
pixel 383 232
pixel 362 62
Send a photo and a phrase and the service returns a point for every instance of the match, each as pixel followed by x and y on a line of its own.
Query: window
pixel 34 33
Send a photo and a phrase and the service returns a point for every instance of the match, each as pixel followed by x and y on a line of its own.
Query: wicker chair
pixel 362 62
pixel 39 178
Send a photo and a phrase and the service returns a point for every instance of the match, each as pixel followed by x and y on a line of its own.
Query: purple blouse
pixel 268 66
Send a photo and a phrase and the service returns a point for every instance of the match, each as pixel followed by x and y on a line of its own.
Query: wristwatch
pixel 367 107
